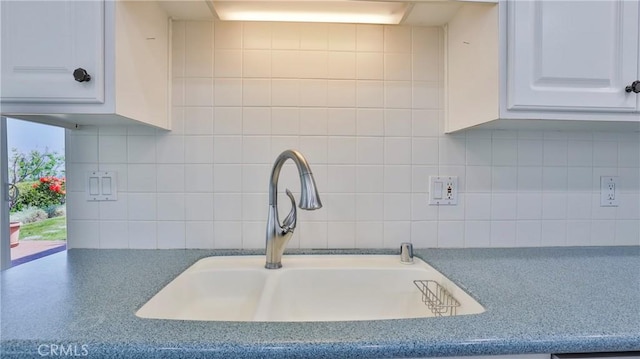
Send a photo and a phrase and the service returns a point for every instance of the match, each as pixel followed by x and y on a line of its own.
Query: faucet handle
pixel 289 222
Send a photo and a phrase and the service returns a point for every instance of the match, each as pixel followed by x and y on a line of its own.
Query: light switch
pixel 437 190
pixel 94 182
pixel 101 186
pixel 443 190
pixel 106 186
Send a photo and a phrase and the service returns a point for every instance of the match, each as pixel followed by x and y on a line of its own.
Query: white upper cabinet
pixel 44 42
pixel 543 64
pixel 91 62
pixel 572 55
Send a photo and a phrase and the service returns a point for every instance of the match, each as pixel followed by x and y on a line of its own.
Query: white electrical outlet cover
pixel 443 190
pixel 609 192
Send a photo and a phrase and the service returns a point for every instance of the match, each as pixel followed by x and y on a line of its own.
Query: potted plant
pixel 14 226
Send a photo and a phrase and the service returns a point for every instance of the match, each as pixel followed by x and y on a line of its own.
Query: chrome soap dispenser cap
pixel 406 253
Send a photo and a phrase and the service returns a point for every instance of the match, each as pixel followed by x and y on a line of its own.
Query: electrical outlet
pixel 609 191
pixel 443 190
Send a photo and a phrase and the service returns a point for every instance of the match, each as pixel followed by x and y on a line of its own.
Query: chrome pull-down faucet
pixel 278 235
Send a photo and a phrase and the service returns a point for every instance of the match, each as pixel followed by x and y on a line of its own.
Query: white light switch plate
pixel 101 186
pixel 443 190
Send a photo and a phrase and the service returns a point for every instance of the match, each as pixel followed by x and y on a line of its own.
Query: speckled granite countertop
pixel 538 300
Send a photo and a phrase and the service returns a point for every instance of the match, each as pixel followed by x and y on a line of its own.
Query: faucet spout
pixel 279 234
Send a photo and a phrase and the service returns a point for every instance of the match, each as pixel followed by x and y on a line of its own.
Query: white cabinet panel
pixel 43 43
pixel 572 55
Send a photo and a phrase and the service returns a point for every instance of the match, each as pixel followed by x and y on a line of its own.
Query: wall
pixel 363 103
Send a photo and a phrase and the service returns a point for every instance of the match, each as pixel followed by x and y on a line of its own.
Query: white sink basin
pixel 306 288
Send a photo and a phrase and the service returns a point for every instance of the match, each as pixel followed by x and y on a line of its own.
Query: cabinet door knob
pixel 634 87
pixel 81 75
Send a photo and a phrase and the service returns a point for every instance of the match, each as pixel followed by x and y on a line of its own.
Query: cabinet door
pixel 572 55
pixel 43 42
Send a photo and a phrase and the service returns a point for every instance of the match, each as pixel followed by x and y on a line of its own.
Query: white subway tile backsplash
pixel 199 234
pixel 503 234
pixel 170 149
pixel 580 153
pixel 256 35
pixel 227 149
pixel 341 93
pixel 227 178
pixel 178 44
pixel 198 149
pixel 397 39
pixel 114 234
pixel 397 67
pixel 578 233
pixel 369 150
pixel 256 149
pixel 112 149
pixel 143 235
pixel 228 35
pixel 424 234
pixel 171 234
pixel 629 153
pixel 369 234
pixel 256 63
pixel 627 233
pixel 603 233
pixel 227 92
pixel 256 92
pixel 313 92
pixel 397 206
pixel 477 206
pixel 553 233
pixel 528 233
pixel 228 63
pixel 285 93
pixel 369 65
pixel 477 234
pixel 142 206
pixel 364 104
pixel 256 121
pixel 314 64
pixel 341 65
pixel 341 122
pixel 198 178
pixel 451 234
pixel 169 178
pixel 226 235
pixel 343 234
pixel 605 154
pixel 398 94
pixel 397 179
pixel 555 153
pixel 395 233
pixel 370 38
pixel 198 49
pixel 114 210
pixel 198 91
pixel 171 206
pixel 342 37
pixel 397 122
pixel 370 94
pixel 425 66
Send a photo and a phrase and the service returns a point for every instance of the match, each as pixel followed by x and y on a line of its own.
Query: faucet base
pixel 270 265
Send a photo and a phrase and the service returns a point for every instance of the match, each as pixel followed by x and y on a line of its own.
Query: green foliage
pixel 48 229
pixel 48 191
pixel 56 210
pixel 34 165
pixel 29 215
